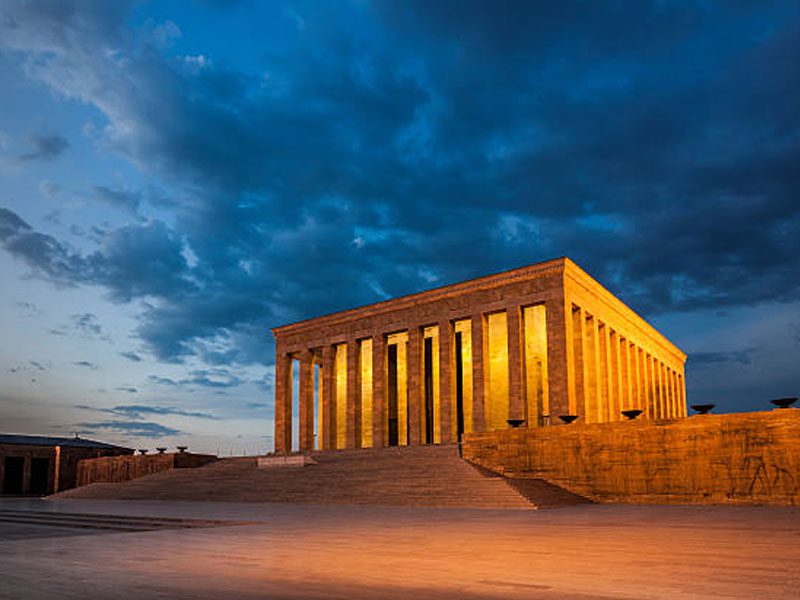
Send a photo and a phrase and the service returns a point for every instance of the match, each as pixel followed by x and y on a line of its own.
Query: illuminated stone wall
pixel 531 344
pixel 745 458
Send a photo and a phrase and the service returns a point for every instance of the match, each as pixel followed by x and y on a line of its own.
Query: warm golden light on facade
pixel 365 354
pixel 535 335
pixel 529 345
pixel 463 332
pixel 497 381
pixel 340 396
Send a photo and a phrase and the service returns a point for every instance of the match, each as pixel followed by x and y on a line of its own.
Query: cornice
pixel 591 285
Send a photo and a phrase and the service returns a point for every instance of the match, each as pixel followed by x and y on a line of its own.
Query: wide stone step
pixel 404 476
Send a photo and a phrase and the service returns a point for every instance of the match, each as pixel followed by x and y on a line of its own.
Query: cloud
pixel 85 363
pixel 45 147
pixel 127 389
pixel 213 378
pixel 121 199
pixel 31 367
pixel 133 262
pixel 209 378
pixel 131 356
pixel 139 412
pixel 83 325
pixel 161 380
pixel 630 139
pixel 28 309
pixel 742 357
pixel 142 429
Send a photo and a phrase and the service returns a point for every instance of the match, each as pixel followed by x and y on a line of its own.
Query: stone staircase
pixel 400 476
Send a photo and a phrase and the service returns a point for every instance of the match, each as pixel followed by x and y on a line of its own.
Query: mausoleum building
pixel 527 346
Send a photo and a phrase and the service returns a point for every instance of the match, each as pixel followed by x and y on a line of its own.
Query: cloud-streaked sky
pixel 177 177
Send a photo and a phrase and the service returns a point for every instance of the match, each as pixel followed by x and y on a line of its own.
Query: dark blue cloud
pixel 655 143
pixel 209 378
pixel 743 357
pixel 139 412
pixel 121 199
pixel 45 147
pixel 144 429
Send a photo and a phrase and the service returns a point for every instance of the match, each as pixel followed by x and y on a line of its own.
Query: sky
pixel 177 177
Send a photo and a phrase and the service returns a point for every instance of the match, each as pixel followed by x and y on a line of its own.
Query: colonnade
pixel 428 383
pixel 614 373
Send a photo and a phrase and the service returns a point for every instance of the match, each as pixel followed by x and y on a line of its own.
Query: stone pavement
pixel 306 551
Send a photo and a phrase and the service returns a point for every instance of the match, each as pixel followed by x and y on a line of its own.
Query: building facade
pixel 38 465
pixel 531 345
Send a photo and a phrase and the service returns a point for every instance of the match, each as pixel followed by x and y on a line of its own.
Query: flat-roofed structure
pixel 38 465
pixel 531 345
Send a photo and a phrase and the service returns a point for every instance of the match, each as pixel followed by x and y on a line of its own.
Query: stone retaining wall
pixel 744 458
pixel 114 469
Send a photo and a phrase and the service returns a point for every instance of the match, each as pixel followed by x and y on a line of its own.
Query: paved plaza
pixel 307 551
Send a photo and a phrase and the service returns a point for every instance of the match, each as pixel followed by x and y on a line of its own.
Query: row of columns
pixel 612 374
pixel 593 372
pixel 353 435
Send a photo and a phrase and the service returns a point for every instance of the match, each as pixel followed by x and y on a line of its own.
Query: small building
pixel 39 465
pixel 526 346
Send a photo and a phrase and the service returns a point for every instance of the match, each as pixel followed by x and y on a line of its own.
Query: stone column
pixel 592 367
pixel 667 394
pixel 622 362
pixel 578 342
pixel 659 409
pixel 478 374
pixel 378 379
pixel 619 382
pixel 559 357
pixel 667 391
pixel 516 364
pixel 414 373
pixel 648 406
pixel 306 402
pixel 283 401
pixel 56 470
pixel 328 394
pixel 353 426
pixel 608 371
pixel 446 389
pixel 629 375
pixel 672 396
pixel 637 386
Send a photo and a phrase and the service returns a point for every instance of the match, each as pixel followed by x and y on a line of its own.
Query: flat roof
pixel 42 440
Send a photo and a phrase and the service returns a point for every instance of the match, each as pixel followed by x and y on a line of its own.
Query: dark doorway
pixel 428 390
pixel 391 382
pixel 459 387
pixel 40 476
pixel 14 469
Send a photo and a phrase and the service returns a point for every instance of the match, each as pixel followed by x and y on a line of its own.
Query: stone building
pixel 38 465
pixel 531 344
